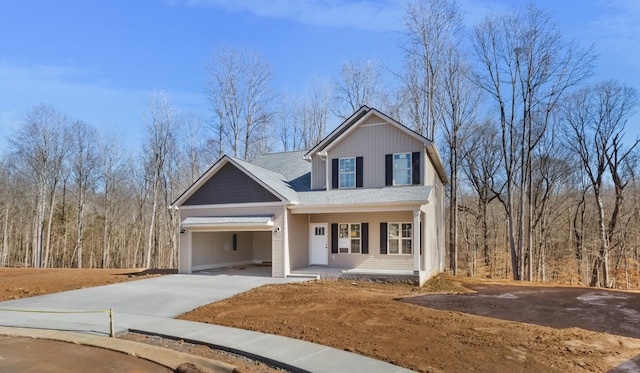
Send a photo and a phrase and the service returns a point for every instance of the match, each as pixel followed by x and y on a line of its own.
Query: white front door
pixel 318 243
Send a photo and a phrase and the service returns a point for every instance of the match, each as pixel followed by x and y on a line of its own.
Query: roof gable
pixel 230 185
pixel 360 117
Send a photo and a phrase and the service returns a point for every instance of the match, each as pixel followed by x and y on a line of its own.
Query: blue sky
pixel 100 60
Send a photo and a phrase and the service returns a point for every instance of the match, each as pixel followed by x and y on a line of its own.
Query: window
pixel 400 238
pixel 319 231
pixel 349 236
pixel 402 169
pixel 347 173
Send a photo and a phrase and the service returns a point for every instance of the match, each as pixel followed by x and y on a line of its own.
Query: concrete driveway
pixel 158 297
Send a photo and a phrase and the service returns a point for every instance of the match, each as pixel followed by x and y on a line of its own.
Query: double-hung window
pixel 400 238
pixel 349 238
pixel 347 174
pixel 402 169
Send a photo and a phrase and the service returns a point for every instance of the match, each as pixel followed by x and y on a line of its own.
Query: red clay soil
pixel 18 283
pixel 368 319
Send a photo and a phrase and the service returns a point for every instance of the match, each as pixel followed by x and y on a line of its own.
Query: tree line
pixel 542 185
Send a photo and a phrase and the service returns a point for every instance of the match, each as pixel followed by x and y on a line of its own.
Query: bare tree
pixel 360 83
pixel 84 167
pixel 159 147
pixel 303 117
pixel 288 130
pixel 39 147
pixel 196 153
pixel 431 29
pixel 526 69
pixel 481 166
pixel 458 102
pixel 596 118
pixel 6 181
pixel 112 158
pixel 240 96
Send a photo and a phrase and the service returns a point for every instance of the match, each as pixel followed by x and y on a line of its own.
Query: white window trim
pixel 399 238
pixel 350 238
pixel 341 173
pixel 394 168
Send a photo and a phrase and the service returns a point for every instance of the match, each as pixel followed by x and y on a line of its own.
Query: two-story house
pixel 368 199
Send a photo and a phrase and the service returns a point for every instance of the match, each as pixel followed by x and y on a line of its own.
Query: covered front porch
pixel 385 246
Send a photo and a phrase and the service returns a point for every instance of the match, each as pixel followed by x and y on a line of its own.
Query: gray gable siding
pixel 230 185
pixel 372 141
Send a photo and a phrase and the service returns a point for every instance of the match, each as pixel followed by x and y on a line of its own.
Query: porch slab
pixel 376 275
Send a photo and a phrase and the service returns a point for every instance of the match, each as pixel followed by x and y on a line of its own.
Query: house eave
pixel 434 155
pixel 178 203
pixel 234 205
pixel 360 207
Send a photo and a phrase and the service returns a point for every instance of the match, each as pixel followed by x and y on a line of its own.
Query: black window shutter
pixel 359 172
pixel 334 173
pixel 388 168
pixel 364 238
pixel 235 241
pixel 334 238
pixel 383 238
pixel 415 163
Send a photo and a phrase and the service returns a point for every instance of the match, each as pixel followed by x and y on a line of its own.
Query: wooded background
pixel 542 185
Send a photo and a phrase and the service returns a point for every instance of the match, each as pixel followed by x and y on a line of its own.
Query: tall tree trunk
pixel 453 205
pixel 152 223
pixel 49 225
pixel 80 240
pixel 601 263
pixel 5 238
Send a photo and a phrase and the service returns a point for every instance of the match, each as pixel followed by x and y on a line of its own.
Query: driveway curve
pixel 150 305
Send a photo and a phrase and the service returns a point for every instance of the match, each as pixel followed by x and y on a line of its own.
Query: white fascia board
pixel 346 122
pixel 234 205
pixel 369 207
pixel 231 226
pixel 364 118
pixel 436 160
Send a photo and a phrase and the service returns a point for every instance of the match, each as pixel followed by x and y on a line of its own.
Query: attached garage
pixel 226 241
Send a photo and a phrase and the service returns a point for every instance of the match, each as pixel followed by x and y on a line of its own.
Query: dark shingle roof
pixel 295 170
pixel 290 175
pixel 274 180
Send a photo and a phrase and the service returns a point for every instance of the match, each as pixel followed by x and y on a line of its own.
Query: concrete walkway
pixel 150 305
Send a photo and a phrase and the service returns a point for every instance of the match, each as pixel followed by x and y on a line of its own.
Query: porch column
pixel 416 241
pixel 285 241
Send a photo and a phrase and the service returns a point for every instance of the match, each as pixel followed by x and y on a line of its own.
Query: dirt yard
pixel 369 319
pixel 380 321
pixel 16 283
